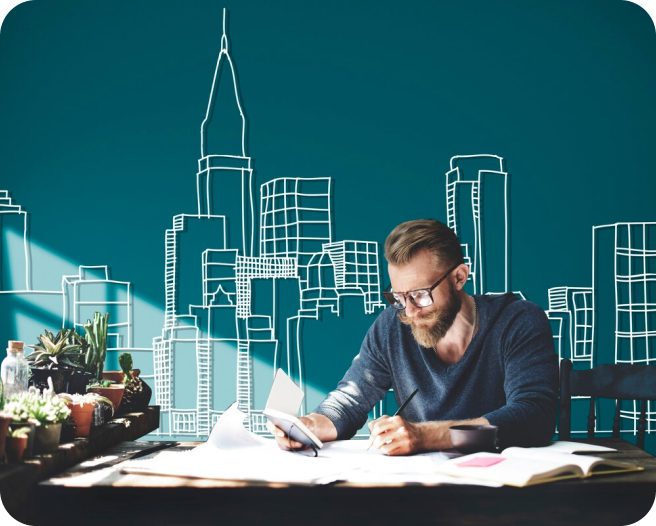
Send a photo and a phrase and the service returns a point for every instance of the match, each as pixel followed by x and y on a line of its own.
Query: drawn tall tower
pixel 477 210
pixel 14 260
pixel 224 178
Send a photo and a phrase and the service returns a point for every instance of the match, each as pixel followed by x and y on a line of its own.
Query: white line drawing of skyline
pixel 632 344
pixel 477 211
pixel 224 322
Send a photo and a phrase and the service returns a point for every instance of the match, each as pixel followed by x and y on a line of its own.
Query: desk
pixel 112 497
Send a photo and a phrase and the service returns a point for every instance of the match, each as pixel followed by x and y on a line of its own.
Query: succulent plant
pixel 55 350
pixel 18 432
pixel 44 407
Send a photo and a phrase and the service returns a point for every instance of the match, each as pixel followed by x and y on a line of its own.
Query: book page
pixel 588 464
pixel 513 471
pixel 565 446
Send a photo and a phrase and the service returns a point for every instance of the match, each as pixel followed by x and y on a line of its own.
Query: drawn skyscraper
pixel 224 179
pixel 573 306
pixel 92 290
pixel 477 210
pixel 624 308
pixel 295 217
pixel 14 260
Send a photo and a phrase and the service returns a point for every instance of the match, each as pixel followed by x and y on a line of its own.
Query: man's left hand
pixel 393 435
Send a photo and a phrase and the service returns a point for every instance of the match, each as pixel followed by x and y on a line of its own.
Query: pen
pixel 407 401
pixel 398 411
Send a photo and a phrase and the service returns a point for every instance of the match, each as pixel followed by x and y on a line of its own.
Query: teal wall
pixel 101 105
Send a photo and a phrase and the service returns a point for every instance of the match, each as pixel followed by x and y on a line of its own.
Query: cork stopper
pixel 15 346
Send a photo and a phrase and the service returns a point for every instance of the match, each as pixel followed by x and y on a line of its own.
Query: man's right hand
pixel 320 425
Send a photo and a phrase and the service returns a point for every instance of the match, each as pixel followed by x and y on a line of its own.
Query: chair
pixel 618 381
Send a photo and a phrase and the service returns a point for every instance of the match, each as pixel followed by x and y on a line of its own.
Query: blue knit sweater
pixel 508 374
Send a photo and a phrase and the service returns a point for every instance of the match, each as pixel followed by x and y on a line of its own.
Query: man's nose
pixel 410 309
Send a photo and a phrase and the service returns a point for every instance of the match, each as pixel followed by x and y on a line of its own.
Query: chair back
pixel 618 381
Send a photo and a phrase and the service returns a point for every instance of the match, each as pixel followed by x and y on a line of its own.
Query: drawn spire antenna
pixel 224 36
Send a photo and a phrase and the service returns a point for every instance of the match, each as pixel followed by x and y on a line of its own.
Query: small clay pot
pixel 29 452
pixel 114 393
pixel 15 448
pixel 82 415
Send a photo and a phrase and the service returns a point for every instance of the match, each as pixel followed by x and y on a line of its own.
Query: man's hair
pixel 409 238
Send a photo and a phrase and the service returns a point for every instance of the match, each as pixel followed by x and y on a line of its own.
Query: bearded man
pixel 473 359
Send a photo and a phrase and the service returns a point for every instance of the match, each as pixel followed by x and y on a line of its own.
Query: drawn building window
pixel 184 422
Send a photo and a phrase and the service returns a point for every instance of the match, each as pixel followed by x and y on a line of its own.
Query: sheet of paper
pixel 229 432
pixel 284 395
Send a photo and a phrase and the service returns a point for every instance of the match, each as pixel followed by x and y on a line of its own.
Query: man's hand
pixel 393 435
pixel 320 425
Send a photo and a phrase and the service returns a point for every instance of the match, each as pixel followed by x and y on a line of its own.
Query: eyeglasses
pixel 420 298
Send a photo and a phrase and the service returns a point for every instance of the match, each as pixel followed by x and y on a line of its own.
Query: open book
pixel 518 466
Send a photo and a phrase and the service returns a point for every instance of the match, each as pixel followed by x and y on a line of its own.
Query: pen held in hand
pixel 407 401
pixel 398 412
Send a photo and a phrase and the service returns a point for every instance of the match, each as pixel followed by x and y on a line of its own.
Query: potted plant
pixel 82 408
pixel 58 356
pixel 96 336
pixel 112 391
pixel 47 409
pixel 16 444
pixel 18 408
pixel 137 392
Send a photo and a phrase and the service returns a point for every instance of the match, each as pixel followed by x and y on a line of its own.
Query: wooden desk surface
pixel 99 485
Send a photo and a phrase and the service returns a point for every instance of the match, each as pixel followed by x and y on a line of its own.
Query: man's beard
pixel 436 324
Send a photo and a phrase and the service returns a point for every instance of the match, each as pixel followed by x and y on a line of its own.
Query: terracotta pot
pixel 82 415
pixel 46 438
pixel 113 392
pixel 15 448
pixel 117 376
pixel 4 426
pixel 29 451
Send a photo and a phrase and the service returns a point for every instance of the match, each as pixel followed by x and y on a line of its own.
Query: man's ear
pixel 461 273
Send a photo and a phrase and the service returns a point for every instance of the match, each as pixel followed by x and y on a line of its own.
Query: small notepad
pixel 480 462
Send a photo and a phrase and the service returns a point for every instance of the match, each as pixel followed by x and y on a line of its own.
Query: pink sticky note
pixel 480 462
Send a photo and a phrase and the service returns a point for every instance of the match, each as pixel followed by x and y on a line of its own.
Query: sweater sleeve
pixel 530 380
pixel 365 383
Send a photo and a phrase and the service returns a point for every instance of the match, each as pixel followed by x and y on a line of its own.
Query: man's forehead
pixel 424 261
pixel 420 271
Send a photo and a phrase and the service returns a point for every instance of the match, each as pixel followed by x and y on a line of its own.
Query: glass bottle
pixel 14 371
